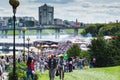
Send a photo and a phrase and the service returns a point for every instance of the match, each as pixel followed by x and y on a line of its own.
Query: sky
pixel 86 11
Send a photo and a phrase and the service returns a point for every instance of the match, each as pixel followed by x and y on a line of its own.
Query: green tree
pixel 85 54
pixel 93 29
pixel 116 48
pixel 98 50
pixel 107 53
pixel 30 23
pixel 110 29
pixel 74 50
pixel 10 22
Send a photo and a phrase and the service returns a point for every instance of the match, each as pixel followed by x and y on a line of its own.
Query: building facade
pixel 58 21
pixel 3 21
pixel 46 15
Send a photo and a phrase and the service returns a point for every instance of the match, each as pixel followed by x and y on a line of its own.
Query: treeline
pixel 106 52
pixel 102 29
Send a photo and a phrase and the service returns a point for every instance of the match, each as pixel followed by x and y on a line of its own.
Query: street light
pixel 23 30
pixel 28 39
pixel 14 4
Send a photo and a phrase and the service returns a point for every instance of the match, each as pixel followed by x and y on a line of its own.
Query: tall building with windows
pixel 46 15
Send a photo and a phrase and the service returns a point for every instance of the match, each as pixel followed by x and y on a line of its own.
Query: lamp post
pixel 23 30
pixel 14 4
pixel 28 39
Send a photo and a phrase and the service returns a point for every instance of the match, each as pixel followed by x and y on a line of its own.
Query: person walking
pixel 3 63
pixel 61 64
pixel 70 64
pixel 30 68
pixel 52 64
pixel 1 72
pixel 42 65
pixel 7 63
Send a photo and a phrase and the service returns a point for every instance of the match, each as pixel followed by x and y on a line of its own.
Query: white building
pixel 3 23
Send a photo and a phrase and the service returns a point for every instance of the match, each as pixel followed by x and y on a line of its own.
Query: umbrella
pixel 65 56
pixel 54 45
pixel 45 46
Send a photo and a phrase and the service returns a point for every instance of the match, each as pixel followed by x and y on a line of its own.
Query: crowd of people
pixel 4 65
pixel 57 65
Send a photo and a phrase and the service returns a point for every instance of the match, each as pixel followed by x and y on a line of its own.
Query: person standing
pixel 30 68
pixel 42 65
pixel 52 67
pixel 70 64
pixel 92 62
pixel 7 63
pixel 3 63
pixel 61 64
pixel 1 71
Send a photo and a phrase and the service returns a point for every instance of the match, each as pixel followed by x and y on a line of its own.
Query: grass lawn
pixel 108 73
pixel 46 31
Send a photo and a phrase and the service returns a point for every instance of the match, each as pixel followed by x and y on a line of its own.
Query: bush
pixel 85 54
pixel 74 50
pixel 107 53
pixel 20 71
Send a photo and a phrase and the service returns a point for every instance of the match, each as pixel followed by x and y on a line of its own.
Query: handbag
pixel 33 72
pixel 57 73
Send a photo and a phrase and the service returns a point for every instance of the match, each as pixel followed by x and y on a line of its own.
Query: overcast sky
pixel 87 11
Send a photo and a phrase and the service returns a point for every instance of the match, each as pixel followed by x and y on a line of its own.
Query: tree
pixel 97 50
pixel 10 22
pixel 110 29
pixel 74 50
pixel 93 29
pixel 107 53
pixel 30 23
pixel 85 54
pixel 116 49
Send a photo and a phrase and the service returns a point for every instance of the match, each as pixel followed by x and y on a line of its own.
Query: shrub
pixel 74 50
pixel 20 71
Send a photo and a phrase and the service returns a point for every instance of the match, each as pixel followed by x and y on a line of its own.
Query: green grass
pixel 80 30
pixel 46 31
pixel 108 73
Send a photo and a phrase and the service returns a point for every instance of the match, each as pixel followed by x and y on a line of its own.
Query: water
pixel 49 36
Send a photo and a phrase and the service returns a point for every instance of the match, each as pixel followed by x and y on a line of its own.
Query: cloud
pixel 83 10
pixel 51 1
pixel 112 5
pixel 1 9
pixel 99 12
pixel 102 1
